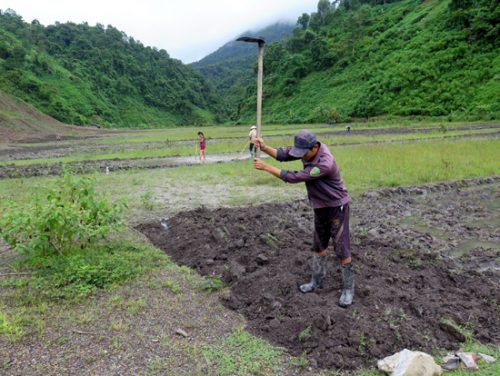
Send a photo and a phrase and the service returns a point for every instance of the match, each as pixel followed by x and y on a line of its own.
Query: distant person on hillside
pixel 203 146
pixel 252 135
pixel 328 197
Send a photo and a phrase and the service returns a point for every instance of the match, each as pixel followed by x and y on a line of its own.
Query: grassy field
pixel 363 167
pixel 28 303
pixel 236 145
pixel 186 133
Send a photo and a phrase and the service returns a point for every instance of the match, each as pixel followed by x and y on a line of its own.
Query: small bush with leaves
pixel 210 284
pixel 83 272
pixel 72 216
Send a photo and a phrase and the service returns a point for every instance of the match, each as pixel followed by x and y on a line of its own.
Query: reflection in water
pixel 164 224
pixel 213 158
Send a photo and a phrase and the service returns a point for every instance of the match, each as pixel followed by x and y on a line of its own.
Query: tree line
pixel 365 58
pixel 349 59
pixel 85 74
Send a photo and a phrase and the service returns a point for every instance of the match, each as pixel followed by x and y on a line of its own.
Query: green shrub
pixel 327 114
pixel 72 216
pixel 9 327
pixel 83 272
pixel 210 284
pixel 305 334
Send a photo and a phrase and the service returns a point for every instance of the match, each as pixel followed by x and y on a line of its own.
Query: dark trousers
pixel 332 223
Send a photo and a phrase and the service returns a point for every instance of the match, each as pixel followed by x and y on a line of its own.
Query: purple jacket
pixel 325 187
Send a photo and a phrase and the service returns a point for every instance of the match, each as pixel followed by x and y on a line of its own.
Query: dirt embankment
pixel 424 256
pixel 110 165
pixel 20 121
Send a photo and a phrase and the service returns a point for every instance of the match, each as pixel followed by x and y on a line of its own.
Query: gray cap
pixel 303 141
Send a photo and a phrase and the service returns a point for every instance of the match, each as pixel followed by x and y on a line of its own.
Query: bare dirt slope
pixel 426 259
pixel 21 122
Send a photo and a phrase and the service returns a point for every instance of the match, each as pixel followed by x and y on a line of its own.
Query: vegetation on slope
pixel 350 59
pixel 365 58
pixel 83 74
pixel 231 69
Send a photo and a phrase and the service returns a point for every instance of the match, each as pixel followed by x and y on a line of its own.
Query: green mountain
pixel 350 59
pixel 81 74
pixel 231 69
pixel 366 58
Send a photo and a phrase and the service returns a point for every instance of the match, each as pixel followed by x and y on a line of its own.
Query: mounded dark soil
pixel 414 276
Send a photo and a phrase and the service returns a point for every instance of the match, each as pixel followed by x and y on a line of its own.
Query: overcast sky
pixel 188 29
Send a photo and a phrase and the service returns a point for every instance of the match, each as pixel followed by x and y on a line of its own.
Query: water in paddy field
pixel 211 158
pixel 214 158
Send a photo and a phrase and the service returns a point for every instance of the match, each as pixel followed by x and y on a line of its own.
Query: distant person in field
pixel 202 147
pixel 252 135
pixel 328 197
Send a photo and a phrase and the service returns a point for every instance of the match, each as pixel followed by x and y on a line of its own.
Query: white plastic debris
pixel 451 362
pixel 488 358
pixel 181 332
pixel 409 363
pixel 466 360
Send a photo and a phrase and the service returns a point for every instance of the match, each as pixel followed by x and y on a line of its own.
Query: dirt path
pixel 425 257
pixel 110 165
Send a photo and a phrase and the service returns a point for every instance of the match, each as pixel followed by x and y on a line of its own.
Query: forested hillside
pixel 231 67
pixel 364 58
pixel 350 59
pixel 82 74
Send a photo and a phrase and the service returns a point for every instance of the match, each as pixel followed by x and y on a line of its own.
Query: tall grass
pixel 372 166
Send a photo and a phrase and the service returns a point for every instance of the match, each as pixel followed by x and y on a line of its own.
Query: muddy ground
pixel 111 165
pixel 425 257
pixel 12 152
pixel 48 147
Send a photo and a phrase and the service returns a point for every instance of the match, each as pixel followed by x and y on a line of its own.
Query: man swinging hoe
pixel 328 197
pixel 326 191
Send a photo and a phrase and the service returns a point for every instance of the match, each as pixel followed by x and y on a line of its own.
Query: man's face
pixel 310 154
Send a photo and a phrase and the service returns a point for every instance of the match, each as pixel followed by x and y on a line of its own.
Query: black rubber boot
pixel 347 285
pixel 318 275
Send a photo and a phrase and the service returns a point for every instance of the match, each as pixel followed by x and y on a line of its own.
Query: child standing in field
pixel 203 146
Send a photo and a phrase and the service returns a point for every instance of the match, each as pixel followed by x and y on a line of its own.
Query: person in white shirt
pixel 252 135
